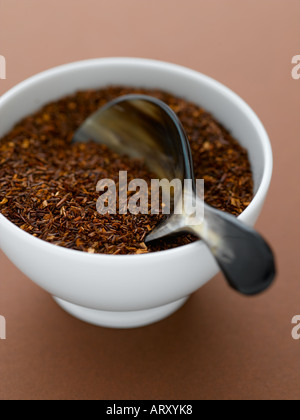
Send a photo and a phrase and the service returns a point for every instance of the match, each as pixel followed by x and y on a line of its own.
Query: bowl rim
pixel 166 66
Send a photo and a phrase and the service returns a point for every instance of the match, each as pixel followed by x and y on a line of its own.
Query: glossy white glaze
pixel 148 286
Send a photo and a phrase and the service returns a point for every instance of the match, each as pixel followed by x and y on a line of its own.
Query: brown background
pixel 220 345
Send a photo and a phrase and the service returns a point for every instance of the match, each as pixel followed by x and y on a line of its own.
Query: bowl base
pixel 130 319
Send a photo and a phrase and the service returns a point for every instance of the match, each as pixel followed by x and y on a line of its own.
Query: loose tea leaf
pixel 48 185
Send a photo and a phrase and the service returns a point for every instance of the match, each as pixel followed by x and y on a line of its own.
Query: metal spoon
pixel 143 127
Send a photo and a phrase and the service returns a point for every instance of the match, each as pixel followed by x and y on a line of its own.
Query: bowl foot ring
pixel 128 319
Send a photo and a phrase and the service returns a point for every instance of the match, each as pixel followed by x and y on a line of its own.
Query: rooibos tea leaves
pixel 48 185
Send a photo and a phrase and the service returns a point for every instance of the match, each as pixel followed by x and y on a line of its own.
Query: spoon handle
pixel 243 255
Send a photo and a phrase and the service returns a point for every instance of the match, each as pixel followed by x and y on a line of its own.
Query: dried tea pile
pixel 48 185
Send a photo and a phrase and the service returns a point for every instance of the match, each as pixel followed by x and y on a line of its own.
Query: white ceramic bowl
pixel 128 291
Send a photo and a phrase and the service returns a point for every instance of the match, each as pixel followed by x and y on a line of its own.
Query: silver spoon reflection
pixel 143 127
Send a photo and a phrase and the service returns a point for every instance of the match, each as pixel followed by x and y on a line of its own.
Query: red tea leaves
pixel 48 185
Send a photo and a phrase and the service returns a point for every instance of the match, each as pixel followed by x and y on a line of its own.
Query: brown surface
pixel 220 345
